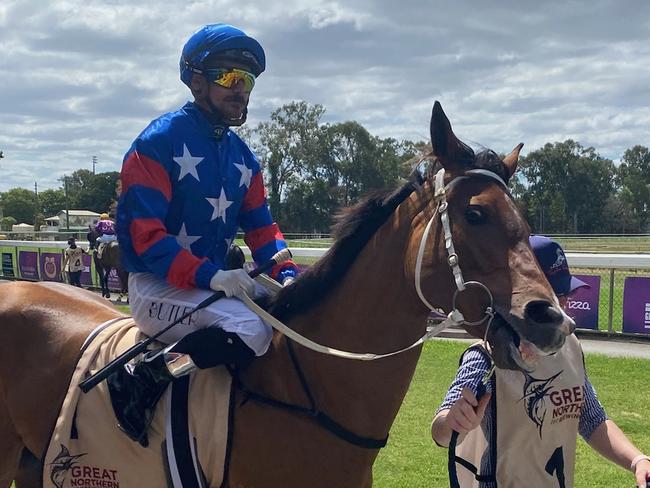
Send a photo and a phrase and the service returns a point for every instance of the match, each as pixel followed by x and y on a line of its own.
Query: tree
pixel 7 222
pixel 633 179
pixel 287 144
pixel 88 191
pixel 51 202
pixel 20 204
pixel 566 187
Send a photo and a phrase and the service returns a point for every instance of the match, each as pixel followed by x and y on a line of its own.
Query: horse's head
pixel 92 235
pixel 490 240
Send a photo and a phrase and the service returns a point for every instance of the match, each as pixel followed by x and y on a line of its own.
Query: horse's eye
pixel 475 215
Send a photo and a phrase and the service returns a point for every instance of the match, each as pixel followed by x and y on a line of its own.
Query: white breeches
pixel 106 238
pixel 155 304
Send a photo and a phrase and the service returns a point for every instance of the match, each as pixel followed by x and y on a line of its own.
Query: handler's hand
pixel 466 413
pixel 642 473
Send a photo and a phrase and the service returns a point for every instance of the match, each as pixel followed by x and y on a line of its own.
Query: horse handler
pixel 188 184
pixel 529 421
pixel 73 262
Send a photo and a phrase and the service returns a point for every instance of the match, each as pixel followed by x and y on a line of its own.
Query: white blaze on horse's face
pixel 491 242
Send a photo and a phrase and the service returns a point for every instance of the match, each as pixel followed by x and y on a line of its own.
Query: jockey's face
pixel 231 102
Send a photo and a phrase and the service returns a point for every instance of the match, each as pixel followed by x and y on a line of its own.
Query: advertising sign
pixel 51 266
pixel 28 264
pixel 86 276
pixel 636 305
pixel 8 263
pixel 583 305
pixel 114 282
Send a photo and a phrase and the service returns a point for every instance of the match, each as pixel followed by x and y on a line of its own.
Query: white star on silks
pixel 220 205
pixel 246 174
pixel 188 164
pixel 184 240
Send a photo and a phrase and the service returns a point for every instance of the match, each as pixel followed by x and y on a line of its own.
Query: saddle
pixel 102 246
pixel 187 438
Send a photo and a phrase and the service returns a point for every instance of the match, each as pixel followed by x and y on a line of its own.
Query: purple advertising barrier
pixel 636 305
pixel 583 304
pixel 86 277
pixel 51 266
pixel 114 282
pixel 28 264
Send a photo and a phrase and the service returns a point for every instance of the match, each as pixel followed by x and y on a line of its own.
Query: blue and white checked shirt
pixel 474 366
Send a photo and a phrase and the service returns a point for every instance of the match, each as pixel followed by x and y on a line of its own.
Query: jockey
pixel 188 184
pixel 105 228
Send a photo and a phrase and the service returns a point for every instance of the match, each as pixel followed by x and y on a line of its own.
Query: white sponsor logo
pixel 646 321
pixel 578 305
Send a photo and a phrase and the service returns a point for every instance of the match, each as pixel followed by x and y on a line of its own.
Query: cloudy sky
pixel 82 78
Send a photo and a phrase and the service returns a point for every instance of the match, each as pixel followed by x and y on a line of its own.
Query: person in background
pixel 523 431
pixel 73 262
pixel 105 229
pixel 188 184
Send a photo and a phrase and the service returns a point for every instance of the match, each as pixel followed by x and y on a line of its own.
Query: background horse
pixel 361 296
pixel 109 260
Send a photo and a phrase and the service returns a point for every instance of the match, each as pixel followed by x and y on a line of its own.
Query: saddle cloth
pixel 88 449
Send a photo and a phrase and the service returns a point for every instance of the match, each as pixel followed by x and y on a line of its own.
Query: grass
pixel 411 460
pixel 604 244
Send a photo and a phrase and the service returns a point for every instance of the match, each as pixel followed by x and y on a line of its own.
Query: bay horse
pixel 395 255
pixel 110 260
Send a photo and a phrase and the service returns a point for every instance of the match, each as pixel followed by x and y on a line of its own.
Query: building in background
pixel 78 220
pixel 22 228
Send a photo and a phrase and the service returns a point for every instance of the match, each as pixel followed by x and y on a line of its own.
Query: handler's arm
pixel 610 442
pixel 65 261
pixel 459 410
pixel 464 416
pixel 606 438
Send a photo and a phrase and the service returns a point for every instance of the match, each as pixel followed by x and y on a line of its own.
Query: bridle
pixel 455 317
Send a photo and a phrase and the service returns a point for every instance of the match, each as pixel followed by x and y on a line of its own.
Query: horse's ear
pixel 510 161
pixel 447 148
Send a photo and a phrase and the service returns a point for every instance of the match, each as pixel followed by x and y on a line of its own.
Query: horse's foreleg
pixel 106 292
pixel 11 447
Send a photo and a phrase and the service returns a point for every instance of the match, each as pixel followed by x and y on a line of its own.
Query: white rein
pixel 455 317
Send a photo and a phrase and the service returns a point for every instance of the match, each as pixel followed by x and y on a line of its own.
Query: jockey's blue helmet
pixel 225 40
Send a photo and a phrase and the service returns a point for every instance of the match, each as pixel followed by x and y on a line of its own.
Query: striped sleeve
pixel 261 234
pixel 473 367
pixel 593 414
pixel 146 193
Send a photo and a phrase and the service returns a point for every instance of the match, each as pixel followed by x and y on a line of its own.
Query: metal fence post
pixel 610 326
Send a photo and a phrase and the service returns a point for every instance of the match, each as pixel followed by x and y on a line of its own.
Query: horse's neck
pixel 374 310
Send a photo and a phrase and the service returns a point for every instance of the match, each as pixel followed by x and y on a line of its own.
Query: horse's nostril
pixel 543 312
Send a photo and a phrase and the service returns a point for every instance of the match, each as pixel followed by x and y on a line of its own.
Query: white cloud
pixel 83 78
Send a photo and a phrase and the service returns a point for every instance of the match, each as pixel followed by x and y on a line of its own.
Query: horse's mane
pixel 353 228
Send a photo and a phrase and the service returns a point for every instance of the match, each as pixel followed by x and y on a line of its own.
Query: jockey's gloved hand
pixel 233 282
pixel 288 280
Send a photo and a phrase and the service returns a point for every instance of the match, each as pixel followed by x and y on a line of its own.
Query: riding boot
pixel 136 389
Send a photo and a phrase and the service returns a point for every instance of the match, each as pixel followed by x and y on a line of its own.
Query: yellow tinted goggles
pixel 228 77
